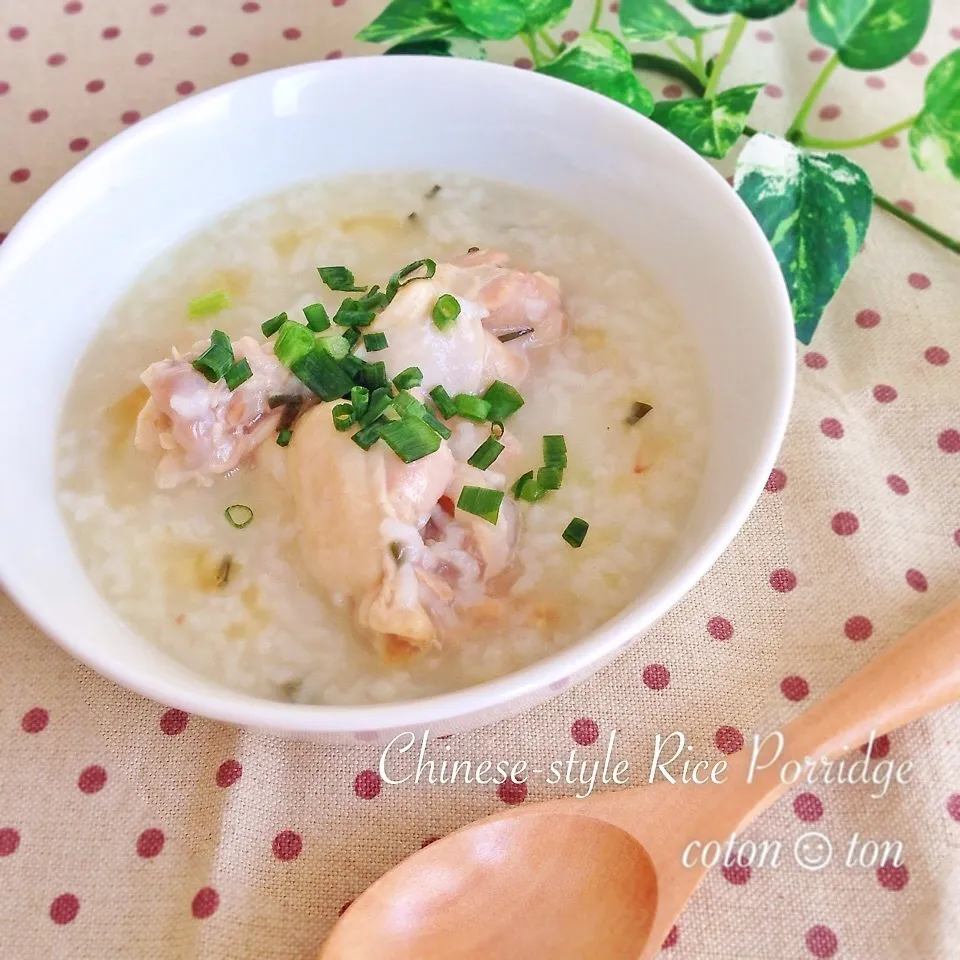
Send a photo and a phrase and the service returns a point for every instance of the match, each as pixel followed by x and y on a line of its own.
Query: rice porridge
pixel 410 564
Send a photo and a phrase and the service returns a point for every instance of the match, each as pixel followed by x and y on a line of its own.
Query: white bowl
pixel 77 251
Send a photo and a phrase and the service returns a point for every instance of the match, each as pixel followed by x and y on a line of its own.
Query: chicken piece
pixel 202 429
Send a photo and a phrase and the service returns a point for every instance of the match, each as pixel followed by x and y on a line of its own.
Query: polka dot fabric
pixel 130 830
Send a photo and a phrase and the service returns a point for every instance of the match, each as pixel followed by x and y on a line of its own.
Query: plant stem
pixel 942 238
pixel 549 42
pixel 597 10
pixel 805 140
pixel 734 32
pixel 698 54
pixel 669 68
pixel 795 129
pixel 530 42
pixel 695 68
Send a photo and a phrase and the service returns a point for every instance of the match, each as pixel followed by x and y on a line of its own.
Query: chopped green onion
pixel 496 428
pixel 290 413
pixel 360 400
pixel 373 375
pixel 282 399
pixel 317 317
pixel 342 416
pixel 294 341
pixel 504 400
pixel 335 345
pixel 217 359
pixel 575 532
pixel 438 426
pixel 531 491
pixel 444 402
pixel 409 438
pixel 445 311
pixel 367 436
pixel 481 502
pixel 238 515
pixel 338 278
pixel 638 411
pixel 411 377
pixel 373 299
pixel 380 399
pixel 471 407
pixel 374 341
pixel 402 276
pixel 351 335
pixel 239 373
pixel 353 313
pixel 486 453
pixel 352 364
pixel 271 326
pixel 409 406
pixel 554 451
pixel 322 374
pixel 518 484
pixel 550 478
pixel 208 303
pixel 283 437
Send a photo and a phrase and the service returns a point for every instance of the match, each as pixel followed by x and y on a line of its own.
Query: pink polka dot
pixel 955 33
pixel 95 86
pixel 292 33
pixel 110 33
pixel 881 747
pixel 185 87
pixel 938 356
pixel 75 6
pixel 129 117
pixel 64 908
pixel 953 806
pixel 720 628
pixel 898 485
pixel 891 142
pixel 817 55
pixel 831 427
pixel 656 676
pixel 844 523
pixel 228 773
pixel 159 9
pixel 20 175
pixel 9 841
pixel 670 940
pixel 174 722
pixel 919 281
pixel 829 111
pixel 821 942
pixel 511 792
pixel 783 580
pixel 814 360
pixel 366 784
pixel 4 87
pixel 776 481
pixel 524 63
pixel 673 91
pixel 56 59
pixel 584 731
pixel 875 82
pixel 3 236
pixel 858 628
pixel 34 720
pixel 949 440
pixel 956 536
pixel 143 59
pixel 917 58
pixel 38 116
pixel 807 807
pixel 337 54
pixel 250 7
pixel 891 877
pixel 197 30
pixel 287 845
pixel 794 688
pixel 79 144
pixel 338 3
pixel 240 59
pixel 205 903
pixel 150 843
pixel 906 206
pixel 728 739
pixel 916 580
pixel 614 7
pixel 17 33
pixel 764 36
pixel 736 873
pixel 92 779
pixel 867 319
pixel 773 90
pixel 569 36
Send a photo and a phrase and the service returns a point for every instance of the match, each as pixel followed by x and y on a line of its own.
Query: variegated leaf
pixel 711 126
pixel 751 9
pixel 405 20
pixel 814 209
pixel 545 13
pixel 492 19
pixel 935 136
pixel 651 20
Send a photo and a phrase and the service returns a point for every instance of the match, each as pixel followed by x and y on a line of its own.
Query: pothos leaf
pixel 492 19
pixel 751 9
pixel 545 13
pixel 711 126
pixel 465 47
pixel 652 20
pixel 405 20
pixel 814 209
pixel 869 34
pixel 599 61
pixel 935 136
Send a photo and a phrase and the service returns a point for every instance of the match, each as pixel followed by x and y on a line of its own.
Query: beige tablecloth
pixel 131 831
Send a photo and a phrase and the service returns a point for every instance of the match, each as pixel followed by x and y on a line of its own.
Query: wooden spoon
pixel 603 877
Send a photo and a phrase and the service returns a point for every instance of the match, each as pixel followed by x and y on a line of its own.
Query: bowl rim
pixel 543 678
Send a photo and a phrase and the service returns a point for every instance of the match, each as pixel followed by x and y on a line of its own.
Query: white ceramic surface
pixel 86 240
